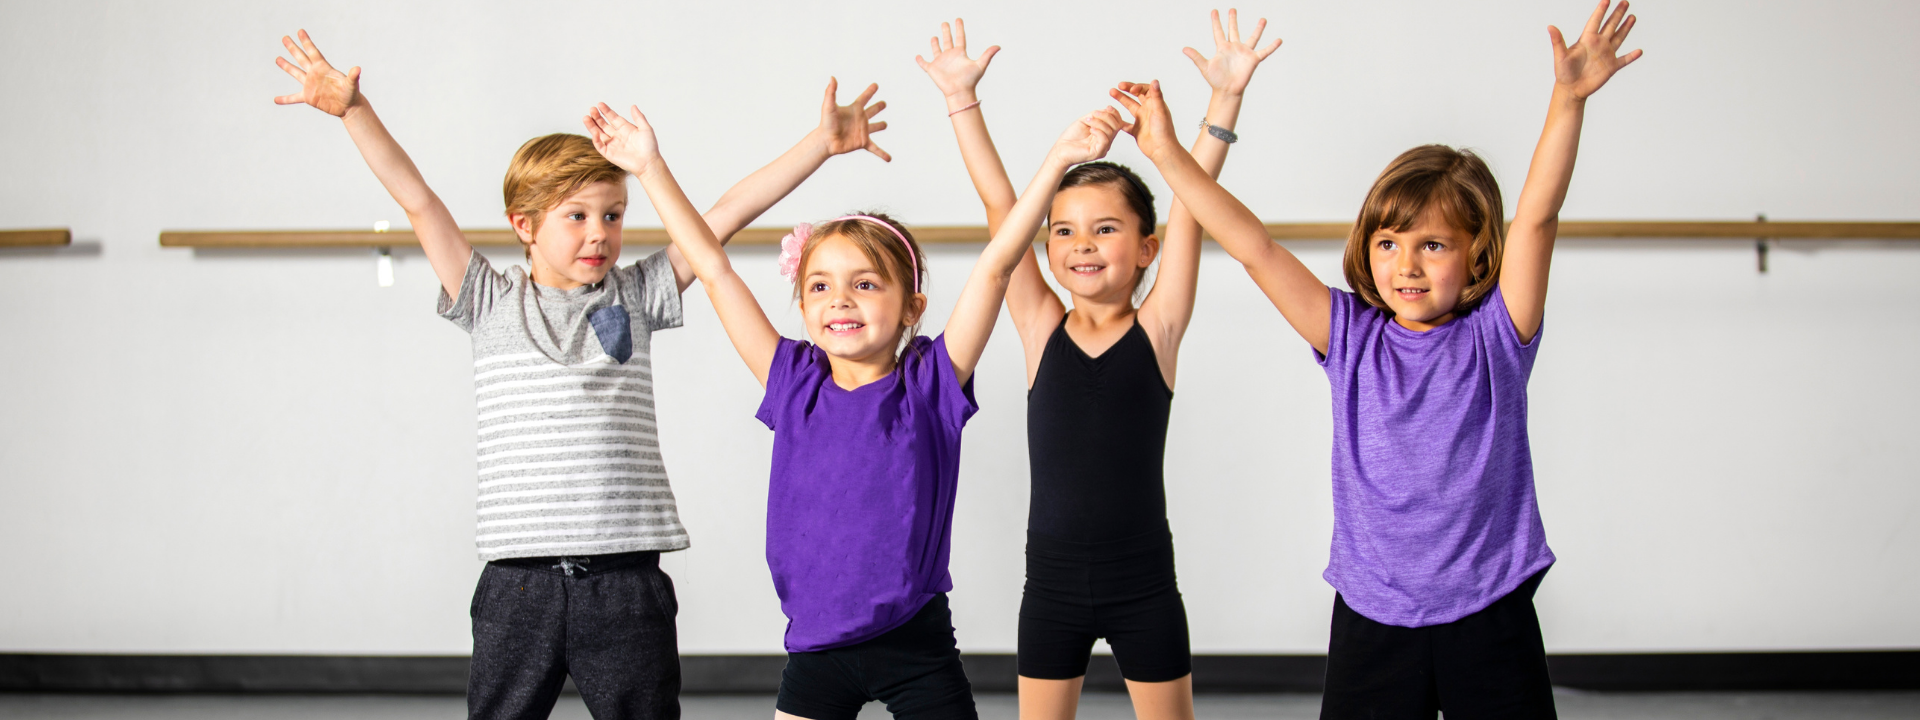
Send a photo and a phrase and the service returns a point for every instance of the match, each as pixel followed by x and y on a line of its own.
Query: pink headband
pixel 796 241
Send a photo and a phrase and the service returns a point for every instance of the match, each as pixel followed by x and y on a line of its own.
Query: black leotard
pixel 1096 437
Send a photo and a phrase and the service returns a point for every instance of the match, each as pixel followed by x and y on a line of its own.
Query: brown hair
pixel 551 168
pixel 1455 182
pixel 1123 180
pixel 888 256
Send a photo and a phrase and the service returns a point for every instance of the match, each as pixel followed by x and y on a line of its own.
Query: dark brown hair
pixel 1123 180
pixel 888 256
pixel 1458 184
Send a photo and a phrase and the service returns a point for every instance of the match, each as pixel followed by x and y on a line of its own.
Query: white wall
pixel 263 452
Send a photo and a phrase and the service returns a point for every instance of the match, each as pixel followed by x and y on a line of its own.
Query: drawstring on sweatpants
pixel 568 565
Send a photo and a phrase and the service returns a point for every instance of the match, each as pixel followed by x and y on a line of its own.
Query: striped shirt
pixel 569 450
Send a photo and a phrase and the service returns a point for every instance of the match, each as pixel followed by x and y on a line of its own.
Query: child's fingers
pixel 934 42
pixel 295 71
pixel 299 56
pixel 946 36
pixel 1268 50
pixel 1628 59
pixel 1621 36
pixel 922 62
pixel 832 100
pixel 353 76
pixel 288 100
pixel 875 149
pixel 1233 25
pixel 639 118
pixel 1199 61
pixel 613 119
pixel 960 34
pixel 313 51
pixel 986 56
pixel 1614 21
pixel 876 127
pixel 875 109
pixel 1559 43
pixel 1219 35
pixel 1593 21
pixel 1126 101
pixel 1259 28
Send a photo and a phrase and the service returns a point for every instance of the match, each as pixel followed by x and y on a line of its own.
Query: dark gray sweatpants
pixel 607 620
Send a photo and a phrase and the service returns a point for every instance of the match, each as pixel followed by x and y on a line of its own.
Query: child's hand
pixel 1088 138
pixel 952 71
pixel 1585 66
pixel 1232 64
pixel 325 88
pixel 847 128
pixel 630 145
pixel 1152 126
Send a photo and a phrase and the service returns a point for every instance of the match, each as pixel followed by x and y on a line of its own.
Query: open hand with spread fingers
pixel 847 128
pixel 1585 66
pixel 629 144
pixel 321 85
pixel 952 71
pixel 1233 61
pixel 1088 138
pixel 1152 126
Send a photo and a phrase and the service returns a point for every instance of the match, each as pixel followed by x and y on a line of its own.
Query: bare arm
pixel 1579 71
pixel 1036 310
pixel 843 129
pixel 631 145
pixel 1168 308
pixel 1301 298
pixel 330 91
pixel 979 305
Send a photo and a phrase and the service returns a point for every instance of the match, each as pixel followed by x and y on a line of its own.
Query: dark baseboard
pixel 1851 670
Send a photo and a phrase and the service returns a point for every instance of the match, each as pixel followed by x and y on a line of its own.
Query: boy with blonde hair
pixel 574 504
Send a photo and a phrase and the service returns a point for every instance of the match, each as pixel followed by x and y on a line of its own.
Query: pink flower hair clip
pixel 790 248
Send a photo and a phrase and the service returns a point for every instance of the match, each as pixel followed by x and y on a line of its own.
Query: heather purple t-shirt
pixel 1433 507
pixel 860 508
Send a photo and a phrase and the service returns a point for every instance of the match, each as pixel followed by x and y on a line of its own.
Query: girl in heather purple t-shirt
pixel 866 447
pixel 1437 544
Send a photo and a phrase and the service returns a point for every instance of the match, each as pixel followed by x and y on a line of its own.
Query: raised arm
pixel 979 306
pixel 1168 308
pixel 842 129
pixel 338 94
pixel 1301 297
pixel 1036 310
pixel 1578 72
pixel 631 145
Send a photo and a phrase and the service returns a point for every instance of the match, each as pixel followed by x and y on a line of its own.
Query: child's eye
pixel 1386 245
pixel 817 287
pixel 1062 232
pixel 1435 247
pixel 574 216
pixel 1106 229
pixel 866 285
pixel 613 217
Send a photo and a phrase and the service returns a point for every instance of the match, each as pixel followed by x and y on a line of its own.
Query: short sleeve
pixel 1493 321
pixel 1339 329
pixel 930 369
pixel 651 292
pixel 792 360
pixel 478 290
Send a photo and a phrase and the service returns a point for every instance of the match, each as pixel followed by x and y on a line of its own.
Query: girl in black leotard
pixel 1099 552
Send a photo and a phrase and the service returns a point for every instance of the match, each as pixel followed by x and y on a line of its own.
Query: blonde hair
pixel 1458 184
pixel 551 168
pixel 890 259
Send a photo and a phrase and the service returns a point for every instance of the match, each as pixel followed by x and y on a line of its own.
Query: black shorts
pixel 1491 664
pixel 1123 591
pixel 914 669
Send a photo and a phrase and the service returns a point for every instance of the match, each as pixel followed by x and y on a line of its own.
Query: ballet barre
pixel 1759 230
pixel 36 238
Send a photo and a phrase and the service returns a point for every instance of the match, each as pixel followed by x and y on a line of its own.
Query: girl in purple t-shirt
pixel 1437 542
pixel 866 420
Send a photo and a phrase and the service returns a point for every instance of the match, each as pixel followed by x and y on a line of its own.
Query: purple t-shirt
pixel 860 507
pixel 1433 508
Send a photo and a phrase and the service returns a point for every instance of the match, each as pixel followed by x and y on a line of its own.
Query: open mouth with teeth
pixel 1410 293
pixel 1086 269
pixel 845 327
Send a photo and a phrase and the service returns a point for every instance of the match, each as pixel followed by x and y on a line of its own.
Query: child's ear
pixel 916 307
pixel 1149 249
pixel 522 226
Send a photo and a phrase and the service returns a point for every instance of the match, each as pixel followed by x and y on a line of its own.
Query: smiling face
pixel 853 311
pixel 578 239
pixel 1420 272
pixel 1097 245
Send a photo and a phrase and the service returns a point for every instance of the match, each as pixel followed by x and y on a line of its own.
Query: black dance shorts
pixel 1491 664
pixel 1123 591
pixel 914 669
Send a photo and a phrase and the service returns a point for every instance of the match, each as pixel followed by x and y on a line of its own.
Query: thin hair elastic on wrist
pixel 1226 136
pixel 796 241
pixel 964 108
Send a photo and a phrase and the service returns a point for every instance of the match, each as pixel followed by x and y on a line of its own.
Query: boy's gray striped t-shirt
pixel 569 448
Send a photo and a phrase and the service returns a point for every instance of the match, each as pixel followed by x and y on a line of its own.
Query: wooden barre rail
pixel 938 235
pixel 36 238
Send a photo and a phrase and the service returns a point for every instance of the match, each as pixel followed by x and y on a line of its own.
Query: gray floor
pixel 1095 706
